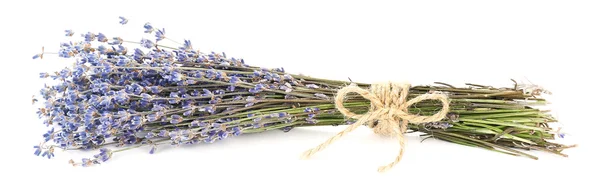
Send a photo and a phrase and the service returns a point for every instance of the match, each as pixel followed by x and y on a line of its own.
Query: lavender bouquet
pixel 115 98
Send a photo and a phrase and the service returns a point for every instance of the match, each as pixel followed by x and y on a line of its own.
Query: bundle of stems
pixel 115 99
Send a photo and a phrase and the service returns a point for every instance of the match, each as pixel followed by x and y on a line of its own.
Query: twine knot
pixel 388 114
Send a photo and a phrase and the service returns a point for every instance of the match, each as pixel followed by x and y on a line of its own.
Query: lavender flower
pixel 116 41
pixel 123 20
pixel 561 135
pixel 146 43
pixel 69 32
pixel 89 37
pixel 38 150
pixel 102 38
pixel 180 96
pixel 148 27
pixel 176 119
pixel 160 35
pixel 312 86
pixel 321 96
pixel 44 74
pixel 153 149
pixel 187 45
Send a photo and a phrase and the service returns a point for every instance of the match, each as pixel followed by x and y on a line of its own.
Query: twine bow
pixel 388 108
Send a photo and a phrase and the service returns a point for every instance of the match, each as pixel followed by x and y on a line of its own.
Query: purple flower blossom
pixel 146 43
pixel 152 117
pixel 89 37
pixel 122 61
pixel 104 155
pixel 69 33
pixel 148 27
pixel 234 79
pixel 116 41
pixel 49 154
pixel 160 34
pixel 163 133
pixel 311 121
pixel 149 135
pixel 285 88
pixel 209 109
pixel 313 86
pixel 286 129
pixel 146 97
pixel 45 152
pixel 308 110
pixel 102 49
pixel 282 114
pixel 48 135
pixel 258 88
pixel 44 75
pixel 138 54
pixel 176 119
pixel 222 135
pixel 154 89
pixel 38 150
pixel 137 120
pixel 102 38
pixel 122 50
pixel 187 45
pixel 236 131
pixel 153 149
pixel 321 96
pixel 123 20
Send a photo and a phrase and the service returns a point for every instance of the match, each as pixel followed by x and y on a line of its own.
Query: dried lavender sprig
pixel 183 96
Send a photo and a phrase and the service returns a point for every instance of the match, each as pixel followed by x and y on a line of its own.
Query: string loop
pixel 388 114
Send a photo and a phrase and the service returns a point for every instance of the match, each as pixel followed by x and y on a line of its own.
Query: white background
pixel 554 44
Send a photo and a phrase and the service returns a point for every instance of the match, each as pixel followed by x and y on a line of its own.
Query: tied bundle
pixel 149 94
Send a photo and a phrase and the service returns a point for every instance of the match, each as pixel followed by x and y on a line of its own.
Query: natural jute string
pixel 388 108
